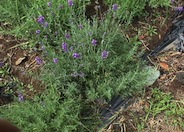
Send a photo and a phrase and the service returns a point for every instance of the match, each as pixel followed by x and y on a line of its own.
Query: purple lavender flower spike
pixel 41 19
pixel 1 64
pixel 115 7
pixel 21 97
pixel 38 31
pixel 46 24
pixel 70 2
pixel 65 47
pixel 55 60
pixel 80 26
pixel 67 35
pixel 38 60
pixel 94 42
pixel 105 54
pixel 179 8
pixel 76 55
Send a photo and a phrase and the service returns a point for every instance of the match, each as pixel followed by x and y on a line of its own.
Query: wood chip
pixel 164 66
pixel 19 61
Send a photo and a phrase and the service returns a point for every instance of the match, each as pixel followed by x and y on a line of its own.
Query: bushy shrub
pixel 130 9
pixel 46 113
pixel 82 60
pixel 21 14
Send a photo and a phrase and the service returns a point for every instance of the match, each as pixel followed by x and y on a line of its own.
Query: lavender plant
pixel 128 10
pixel 82 60
pixel 89 57
pixel 21 14
pixel 45 113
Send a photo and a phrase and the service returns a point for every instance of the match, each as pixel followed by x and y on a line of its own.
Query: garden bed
pixel 58 87
pixel 18 67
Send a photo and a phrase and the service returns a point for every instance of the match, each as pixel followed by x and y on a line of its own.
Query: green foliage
pixel 4 70
pixel 159 3
pixel 160 102
pixel 46 113
pixel 21 14
pixel 74 83
pixel 165 103
pixel 14 11
pixel 151 30
pixel 120 72
pixel 129 9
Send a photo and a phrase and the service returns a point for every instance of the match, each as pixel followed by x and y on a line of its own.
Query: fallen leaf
pixel 20 60
pixel 164 66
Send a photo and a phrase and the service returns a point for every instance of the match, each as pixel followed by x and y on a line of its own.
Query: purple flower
pixel 76 55
pixel 64 46
pixel 94 42
pixel 21 97
pixel 67 35
pixel 46 24
pixel 38 31
pixel 179 8
pixel 1 64
pixel 70 2
pixel 49 4
pixel 80 26
pixel 40 19
pixel 55 60
pixel 105 54
pixel 38 60
pixel 115 7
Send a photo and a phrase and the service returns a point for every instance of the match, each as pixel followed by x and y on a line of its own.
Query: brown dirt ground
pixel 22 65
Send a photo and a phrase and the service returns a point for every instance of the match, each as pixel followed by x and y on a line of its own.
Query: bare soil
pixel 22 68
